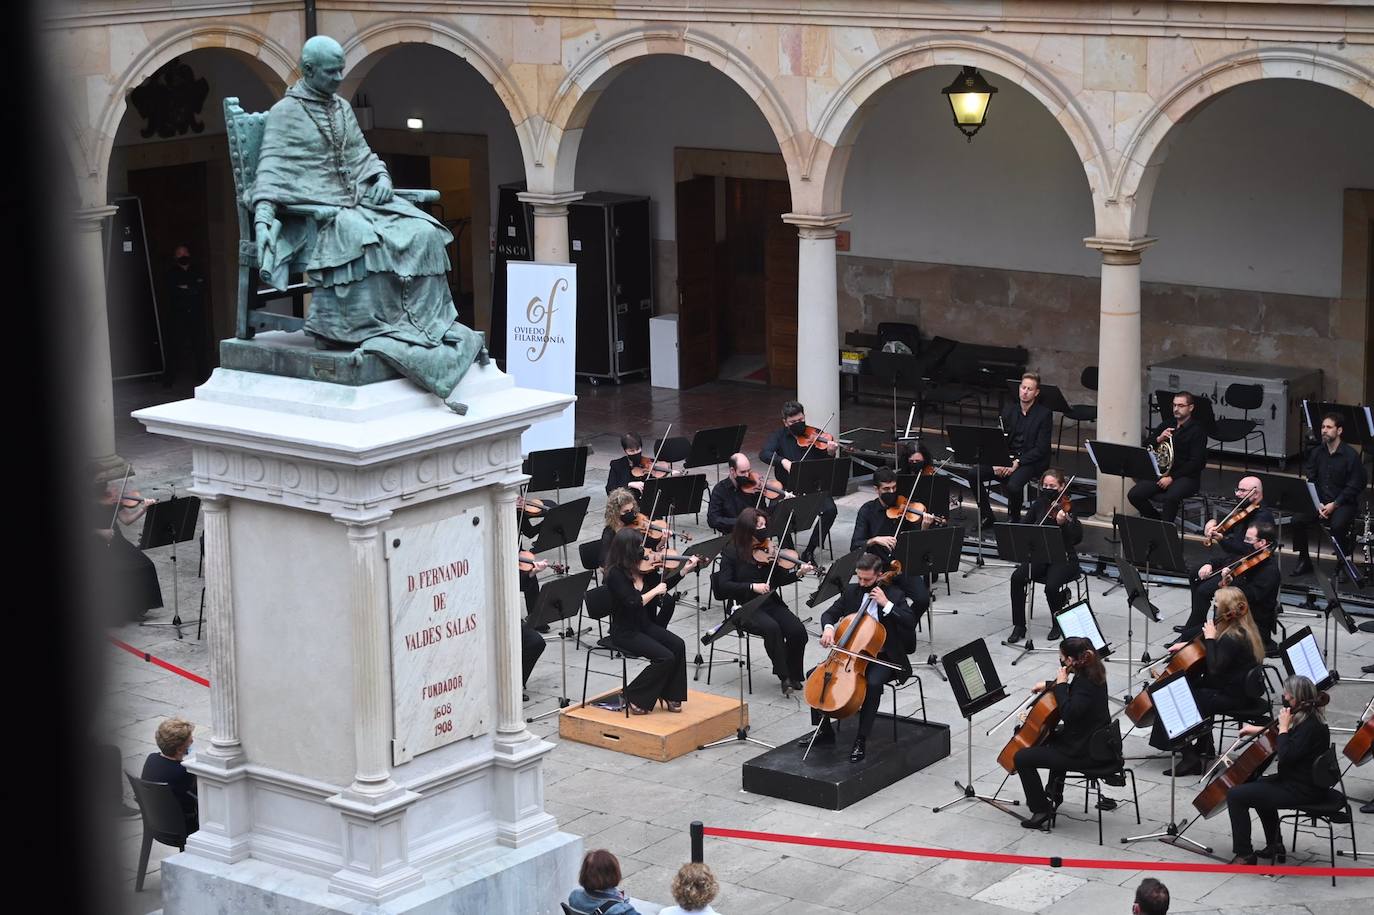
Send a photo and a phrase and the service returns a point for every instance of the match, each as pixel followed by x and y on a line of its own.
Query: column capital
pixel 1120 251
pixel 90 219
pixel 363 526
pixel 552 203
pixel 809 226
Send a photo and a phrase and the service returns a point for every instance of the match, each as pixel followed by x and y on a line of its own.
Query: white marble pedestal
pixel 369 752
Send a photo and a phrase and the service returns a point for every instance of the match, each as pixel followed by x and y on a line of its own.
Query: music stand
pixel 1284 494
pixel 562 525
pixel 835 578
pixel 802 510
pixel 1357 429
pixel 973 678
pixel 931 489
pixel 714 447
pixel 170 522
pixel 923 552
pixel 556 469
pixel 1334 608
pixel 1156 545
pixel 1121 461
pixel 707 550
pixel 559 599
pixel 1178 712
pixel 898 369
pixel 669 496
pixel 1301 655
pixel 735 623
pixel 827 475
pixel 981 446
pixel 1024 544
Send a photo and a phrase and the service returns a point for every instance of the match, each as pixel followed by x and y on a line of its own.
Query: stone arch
pixel 844 115
pixel 363 50
pixel 267 58
pixel 560 133
pixel 1133 184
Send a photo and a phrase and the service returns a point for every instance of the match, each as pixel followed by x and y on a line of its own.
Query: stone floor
pixel 641 809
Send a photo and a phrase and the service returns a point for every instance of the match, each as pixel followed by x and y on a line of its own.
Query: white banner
pixel 541 341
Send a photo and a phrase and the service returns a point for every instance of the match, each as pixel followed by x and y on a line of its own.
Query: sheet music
pixel 1316 499
pixel 1078 621
pixel 973 678
pixel 1177 708
pixel 1306 659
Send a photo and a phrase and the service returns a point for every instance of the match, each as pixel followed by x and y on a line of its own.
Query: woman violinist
pixel 1083 711
pixel 1302 737
pixel 741 578
pixel 1051 506
pixel 915 457
pixel 1234 648
pixel 619 476
pixel 634 630
pixel 130 574
pixel 622 511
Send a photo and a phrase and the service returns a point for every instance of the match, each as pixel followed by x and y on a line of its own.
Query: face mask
pixel 797 428
pixel 184 261
pixel 741 480
pixel 888 499
pixel 1287 704
pixel 628 517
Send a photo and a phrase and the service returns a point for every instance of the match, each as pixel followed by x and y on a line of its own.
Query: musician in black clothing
pixel 875 532
pixel 741 578
pixel 913 457
pixel 1335 470
pixel 1056 576
pixel 1184 478
pixel 1082 712
pixel 165 767
pixel 782 451
pixel 728 499
pixel 619 476
pixel 1261 583
pixel 1027 425
pixel 531 643
pixel 888 605
pixel 1234 648
pixel 1249 491
pixel 621 511
pixel 1303 737
pixel 634 630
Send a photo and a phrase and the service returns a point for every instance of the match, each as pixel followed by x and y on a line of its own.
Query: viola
pixel 1211 799
pixel 814 437
pixel 1040 723
pixel 528 559
pixel 772 489
pixel 787 560
pixel 1249 562
pixel 657 529
pixel 912 512
pixel 1141 711
pixel 130 500
pixel 838 684
pixel 536 508
pixel 665 561
pixel 1236 516
pixel 648 468
pixel 1360 749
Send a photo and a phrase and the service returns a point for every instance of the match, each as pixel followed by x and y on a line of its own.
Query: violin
pixel 528 559
pixel 912 511
pixel 1039 724
pixel 815 438
pixel 1141 710
pixel 1244 564
pixel 787 560
pixel 648 468
pixel 664 561
pixel 1360 749
pixel 838 684
pixel 772 489
pixel 1236 516
pixel 658 529
pixel 536 508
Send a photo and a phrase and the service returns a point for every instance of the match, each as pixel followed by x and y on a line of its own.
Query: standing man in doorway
pixel 184 344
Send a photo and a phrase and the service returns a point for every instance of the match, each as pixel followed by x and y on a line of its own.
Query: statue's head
pixel 322 64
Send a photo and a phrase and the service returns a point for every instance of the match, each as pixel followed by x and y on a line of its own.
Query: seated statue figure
pixel 377 264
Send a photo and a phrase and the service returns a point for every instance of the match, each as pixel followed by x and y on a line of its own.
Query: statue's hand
pixel 381 190
pixel 267 234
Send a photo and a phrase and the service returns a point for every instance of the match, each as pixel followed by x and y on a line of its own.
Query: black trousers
pixel 1340 521
pixel 877 677
pixel 917 591
pixel 1012 485
pixel 531 647
pixel 1055 577
pixel 666 675
pixel 828 513
pixel 784 637
pixel 1142 494
pixel 1209 702
pixel 185 349
pixel 1031 760
pixel 1266 796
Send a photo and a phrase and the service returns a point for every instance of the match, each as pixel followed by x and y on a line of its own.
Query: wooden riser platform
pixel 661 735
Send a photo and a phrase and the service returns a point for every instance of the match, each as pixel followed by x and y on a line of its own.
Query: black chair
pixel 1228 430
pixel 163 820
pixel 901 331
pixel 598 605
pixel 1331 809
pixel 1105 746
pixel 673 449
pixel 1260 697
pixel 590 555
pixel 1080 413
pixel 1053 399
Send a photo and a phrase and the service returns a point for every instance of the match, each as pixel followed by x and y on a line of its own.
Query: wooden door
pixel 698 355
pixel 780 290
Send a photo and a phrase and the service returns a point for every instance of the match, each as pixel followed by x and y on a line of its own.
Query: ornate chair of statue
pixel 244 131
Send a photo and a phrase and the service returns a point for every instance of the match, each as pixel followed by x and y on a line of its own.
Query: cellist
pixel 1083 711
pixel 1303 736
pixel 886 604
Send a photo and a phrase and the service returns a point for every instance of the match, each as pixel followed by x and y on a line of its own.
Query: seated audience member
pixel 1151 898
pixel 693 889
pixel 599 893
pixel 173 743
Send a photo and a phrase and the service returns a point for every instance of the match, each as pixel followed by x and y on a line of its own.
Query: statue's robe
pixel 378 271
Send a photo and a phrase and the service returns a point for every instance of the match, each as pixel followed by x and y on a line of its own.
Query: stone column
pixel 510 716
pixel 1119 372
pixel 225 819
pixel 818 321
pixel 551 224
pixel 95 376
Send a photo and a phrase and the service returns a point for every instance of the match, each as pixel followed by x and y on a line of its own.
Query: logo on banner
pixel 537 314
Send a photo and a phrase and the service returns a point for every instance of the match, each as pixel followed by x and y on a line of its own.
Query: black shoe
pixel 988 522
pixel 543 629
pixel 796 684
pixel 525 697
pixel 1179 628
pixel 1017 634
pixel 1274 852
pixel 1367 808
pixel 1368 669
pixel 1302 567
pixel 1039 820
pixel 1055 633
pixel 857 754
pixel 1107 803
pixel 1190 764
pixel 1247 858
pixel 786 687
pixel 825 737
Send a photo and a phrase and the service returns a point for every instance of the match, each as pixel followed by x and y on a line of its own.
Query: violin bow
pixel 1030 702
pixel 763 487
pixel 650 523
pixel 818 435
pixel 123 487
pixel 1239 505
pixel 1236 562
pixel 909 497
pixel 1062 493
pixel 777 554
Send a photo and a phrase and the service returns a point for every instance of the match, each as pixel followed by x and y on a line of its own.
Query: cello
pixel 1211 799
pixel 1041 720
pixel 1360 748
pixel 1141 711
pixel 838 684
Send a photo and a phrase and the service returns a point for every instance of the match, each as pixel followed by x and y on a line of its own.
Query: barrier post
pixel 698 843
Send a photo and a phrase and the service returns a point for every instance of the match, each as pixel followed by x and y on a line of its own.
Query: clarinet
pixel 1367 541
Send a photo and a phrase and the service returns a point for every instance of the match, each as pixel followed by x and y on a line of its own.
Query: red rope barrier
pixel 194 678
pixel 1038 860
